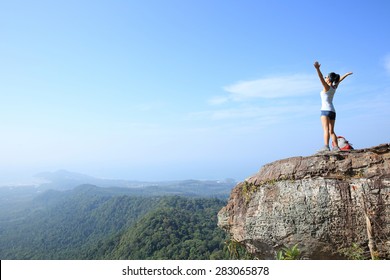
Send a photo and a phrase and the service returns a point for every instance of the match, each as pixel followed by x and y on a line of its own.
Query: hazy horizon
pixel 26 179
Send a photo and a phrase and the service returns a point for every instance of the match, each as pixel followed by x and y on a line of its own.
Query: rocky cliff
pixel 325 203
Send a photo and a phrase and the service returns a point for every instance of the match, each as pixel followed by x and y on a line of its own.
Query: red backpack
pixel 343 144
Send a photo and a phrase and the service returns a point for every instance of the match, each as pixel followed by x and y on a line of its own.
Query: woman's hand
pixel 344 76
pixel 317 65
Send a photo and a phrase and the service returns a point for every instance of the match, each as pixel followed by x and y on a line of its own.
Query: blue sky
pixel 160 90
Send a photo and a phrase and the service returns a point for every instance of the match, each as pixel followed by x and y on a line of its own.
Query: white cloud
pixel 217 100
pixel 256 113
pixel 265 101
pixel 274 87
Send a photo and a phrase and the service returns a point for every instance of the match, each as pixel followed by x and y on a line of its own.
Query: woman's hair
pixel 333 77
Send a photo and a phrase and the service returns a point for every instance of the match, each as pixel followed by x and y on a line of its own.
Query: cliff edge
pixel 325 203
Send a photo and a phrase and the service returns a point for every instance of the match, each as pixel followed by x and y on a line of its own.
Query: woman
pixel 328 112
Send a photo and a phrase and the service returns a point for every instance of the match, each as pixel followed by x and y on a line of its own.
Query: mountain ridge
pixel 65 180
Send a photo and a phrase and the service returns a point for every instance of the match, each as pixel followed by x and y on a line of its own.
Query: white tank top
pixel 327 100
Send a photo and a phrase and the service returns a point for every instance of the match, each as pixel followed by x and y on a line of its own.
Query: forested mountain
pixel 90 222
pixel 178 228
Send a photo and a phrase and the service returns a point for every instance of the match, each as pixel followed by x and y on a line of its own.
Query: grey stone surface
pixel 319 202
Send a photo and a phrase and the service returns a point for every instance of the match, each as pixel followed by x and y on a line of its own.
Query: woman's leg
pixel 332 133
pixel 325 126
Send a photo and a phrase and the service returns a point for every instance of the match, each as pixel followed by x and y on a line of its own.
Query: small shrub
pixel 237 250
pixel 292 253
pixel 355 252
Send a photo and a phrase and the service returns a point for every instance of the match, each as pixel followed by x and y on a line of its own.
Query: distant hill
pixel 65 180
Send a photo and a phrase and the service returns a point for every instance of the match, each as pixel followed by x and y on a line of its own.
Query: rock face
pixel 325 203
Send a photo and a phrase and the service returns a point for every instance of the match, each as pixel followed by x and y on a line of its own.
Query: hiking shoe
pixel 324 149
pixel 335 149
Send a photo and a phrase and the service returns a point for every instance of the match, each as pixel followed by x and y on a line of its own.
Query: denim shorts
pixel 331 115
